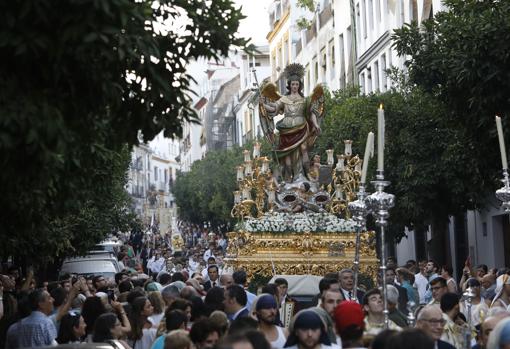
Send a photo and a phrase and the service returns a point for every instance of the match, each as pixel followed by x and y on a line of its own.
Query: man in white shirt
pixel 156 263
pixel 421 282
pixel 266 310
pixel 209 253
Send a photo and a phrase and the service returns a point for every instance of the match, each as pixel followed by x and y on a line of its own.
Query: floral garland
pixel 283 222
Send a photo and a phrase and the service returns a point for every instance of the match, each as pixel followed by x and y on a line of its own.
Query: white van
pixel 91 265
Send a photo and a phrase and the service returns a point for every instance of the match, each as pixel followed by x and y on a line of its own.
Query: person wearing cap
pixel 479 306
pixel 374 320
pixel 265 310
pixel 350 324
pixel 307 331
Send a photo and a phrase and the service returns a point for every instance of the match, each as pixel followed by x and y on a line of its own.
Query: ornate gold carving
pixel 300 253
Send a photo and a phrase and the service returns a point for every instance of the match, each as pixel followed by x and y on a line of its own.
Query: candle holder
pixel 503 193
pixel 253 176
pixel 468 295
pixel 411 320
pixel 379 203
pixel 359 212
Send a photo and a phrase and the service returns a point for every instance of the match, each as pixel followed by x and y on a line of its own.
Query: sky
pixel 256 23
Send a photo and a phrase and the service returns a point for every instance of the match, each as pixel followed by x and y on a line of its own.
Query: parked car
pixel 112 246
pixel 107 266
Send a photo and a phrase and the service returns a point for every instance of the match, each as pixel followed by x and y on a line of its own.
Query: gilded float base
pixel 267 253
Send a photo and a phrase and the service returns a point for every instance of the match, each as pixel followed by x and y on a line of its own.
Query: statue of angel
pixel 299 127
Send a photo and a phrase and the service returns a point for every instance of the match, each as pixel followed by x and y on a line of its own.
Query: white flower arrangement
pixel 298 222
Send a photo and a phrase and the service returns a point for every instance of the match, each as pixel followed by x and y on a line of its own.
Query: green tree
pixel 424 157
pixel 205 193
pixel 461 56
pixel 79 80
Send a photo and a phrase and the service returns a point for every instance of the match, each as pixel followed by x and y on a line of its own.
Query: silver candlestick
pixel 411 320
pixel 503 193
pixel 379 203
pixel 469 295
pixel 359 211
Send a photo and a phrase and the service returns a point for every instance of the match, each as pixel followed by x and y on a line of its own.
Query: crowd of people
pixel 174 295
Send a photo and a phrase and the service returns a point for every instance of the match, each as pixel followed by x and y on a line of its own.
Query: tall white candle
pixel 501 143
pixel 340 164
pixel 368 150
pixel 348 147
pixel 330 159
pixel 380 138
pixel 246 153
pixel 240 173
pixel 256 150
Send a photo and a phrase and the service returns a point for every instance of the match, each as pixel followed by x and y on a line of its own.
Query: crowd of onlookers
pixel 178 294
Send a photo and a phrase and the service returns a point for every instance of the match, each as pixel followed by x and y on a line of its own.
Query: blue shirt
pixel 36 330
pixel 159 343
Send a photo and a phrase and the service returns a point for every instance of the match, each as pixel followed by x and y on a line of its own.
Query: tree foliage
pixel 424 157
pixel 462 57
pixel 79 79
pixel 205 193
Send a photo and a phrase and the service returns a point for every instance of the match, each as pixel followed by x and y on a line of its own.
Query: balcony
pixel 299 47
pixel 325 15
pixel 162 186
pixel 311 32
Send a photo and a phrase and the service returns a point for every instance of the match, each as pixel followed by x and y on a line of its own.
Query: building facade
pixel 151 175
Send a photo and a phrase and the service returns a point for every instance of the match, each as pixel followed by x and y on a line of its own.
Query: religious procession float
pixel 296 215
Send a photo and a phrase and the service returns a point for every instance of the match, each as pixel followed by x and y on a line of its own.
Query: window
pixel 166 176
pixel 155 173
pixel 358 22
pixel 315 70
pixel 280 58
pixel 332 57
pixel 369 80
pixel 364 14
pixel 362 82
pixel 370 13
pixel 384 85
pixel 285 52
pixel 324 62
pixel 376 76
pixel 413 11
pixel 342 61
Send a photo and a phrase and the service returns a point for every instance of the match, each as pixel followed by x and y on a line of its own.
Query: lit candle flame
pixel 381 106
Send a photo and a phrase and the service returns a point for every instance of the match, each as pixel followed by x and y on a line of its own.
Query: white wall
pixel 485 235
pixel 405 250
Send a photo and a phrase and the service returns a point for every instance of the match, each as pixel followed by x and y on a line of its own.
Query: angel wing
pixel 317 103
pixel 268 95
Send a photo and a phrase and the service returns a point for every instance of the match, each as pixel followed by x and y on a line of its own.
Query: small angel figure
pixel 299 127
